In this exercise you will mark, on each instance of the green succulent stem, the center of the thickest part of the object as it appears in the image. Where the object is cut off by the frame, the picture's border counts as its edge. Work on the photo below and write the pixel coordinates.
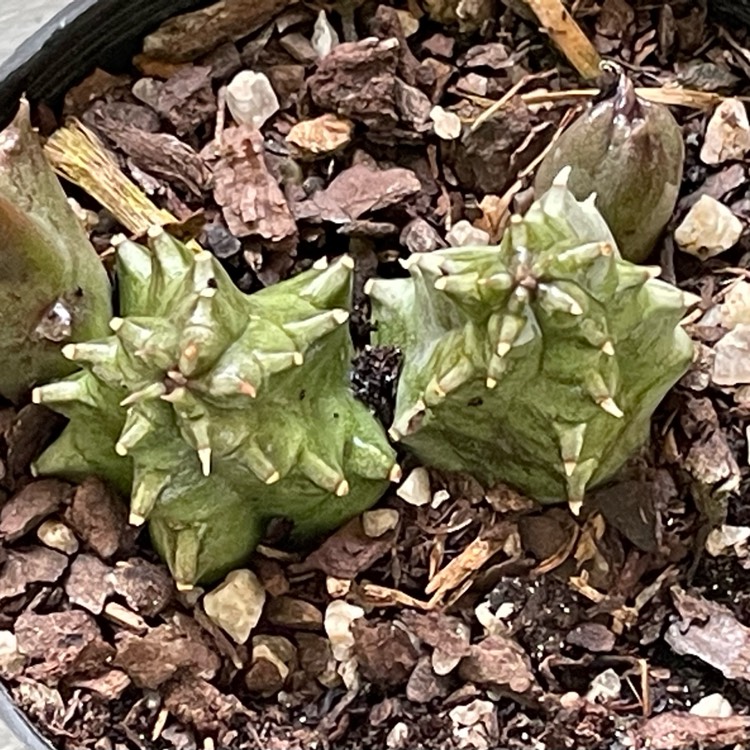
(53, 287)
(537, 363)
(216, 411)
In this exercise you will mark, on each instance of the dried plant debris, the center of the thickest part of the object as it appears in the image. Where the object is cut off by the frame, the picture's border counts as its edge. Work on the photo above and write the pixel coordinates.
(253, 203)
(452, 615)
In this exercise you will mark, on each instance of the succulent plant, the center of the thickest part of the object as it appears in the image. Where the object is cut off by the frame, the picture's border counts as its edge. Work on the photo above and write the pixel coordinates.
(218, 411)
(538, 362)
(53, 287)
(629, 151)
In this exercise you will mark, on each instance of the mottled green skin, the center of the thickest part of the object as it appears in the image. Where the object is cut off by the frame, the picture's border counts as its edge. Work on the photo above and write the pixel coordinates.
(629, 152)
(237, 408)
(47, 265)
(537, 363)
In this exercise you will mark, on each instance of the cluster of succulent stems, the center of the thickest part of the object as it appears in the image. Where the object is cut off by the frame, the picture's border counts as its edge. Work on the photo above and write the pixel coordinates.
(538, 363)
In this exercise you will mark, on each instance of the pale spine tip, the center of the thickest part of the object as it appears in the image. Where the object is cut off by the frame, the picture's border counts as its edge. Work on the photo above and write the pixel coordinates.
(395, 474)
(320, 264)
(273, 478)
(342, 488)
(136, 520)
(247, 389)
(69, 351)
(176, 396)
(609, 405)
(608, 348)
(204, 456)
(121, 450)
(116, 324)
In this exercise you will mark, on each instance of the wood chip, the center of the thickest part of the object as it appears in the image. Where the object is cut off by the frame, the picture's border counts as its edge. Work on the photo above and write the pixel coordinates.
(567, 35)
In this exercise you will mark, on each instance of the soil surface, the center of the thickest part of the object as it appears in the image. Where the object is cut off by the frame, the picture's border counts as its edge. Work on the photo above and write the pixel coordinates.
(464, 616)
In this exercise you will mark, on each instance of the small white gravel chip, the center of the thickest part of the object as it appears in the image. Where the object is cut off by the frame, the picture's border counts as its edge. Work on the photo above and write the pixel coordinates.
(57, 535)
(337, 622)
(727, 133)
(415, 489)
(447, 125)
(251, 99)
(324, 37)
(377, 522)
(465, 234)
(708, 229)
(713, 706)
(236, 605)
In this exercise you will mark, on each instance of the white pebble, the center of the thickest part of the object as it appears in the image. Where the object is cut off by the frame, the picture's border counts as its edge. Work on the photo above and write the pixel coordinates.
(251, 99)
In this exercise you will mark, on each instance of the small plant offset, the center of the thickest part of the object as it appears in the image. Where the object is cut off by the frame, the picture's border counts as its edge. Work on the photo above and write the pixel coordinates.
(629, 152)
(218, 411)
(538, 363)
(53, 287)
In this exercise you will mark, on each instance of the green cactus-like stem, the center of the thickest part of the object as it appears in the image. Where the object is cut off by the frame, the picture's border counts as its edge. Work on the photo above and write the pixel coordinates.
(219, 411)
(537, 363)
(53, 287)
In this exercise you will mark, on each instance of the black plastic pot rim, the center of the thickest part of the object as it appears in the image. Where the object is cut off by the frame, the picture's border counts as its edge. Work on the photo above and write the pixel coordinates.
(83, 35)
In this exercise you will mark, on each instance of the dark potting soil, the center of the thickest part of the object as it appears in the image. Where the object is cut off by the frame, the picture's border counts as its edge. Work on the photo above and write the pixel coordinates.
(471, 617)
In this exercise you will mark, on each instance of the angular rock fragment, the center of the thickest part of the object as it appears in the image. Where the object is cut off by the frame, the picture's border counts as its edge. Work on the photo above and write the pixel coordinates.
(99, 518)
(26, 509)
(251, 99)
(295, 614)
(237, 604)
(26, 566)
(90, 583)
